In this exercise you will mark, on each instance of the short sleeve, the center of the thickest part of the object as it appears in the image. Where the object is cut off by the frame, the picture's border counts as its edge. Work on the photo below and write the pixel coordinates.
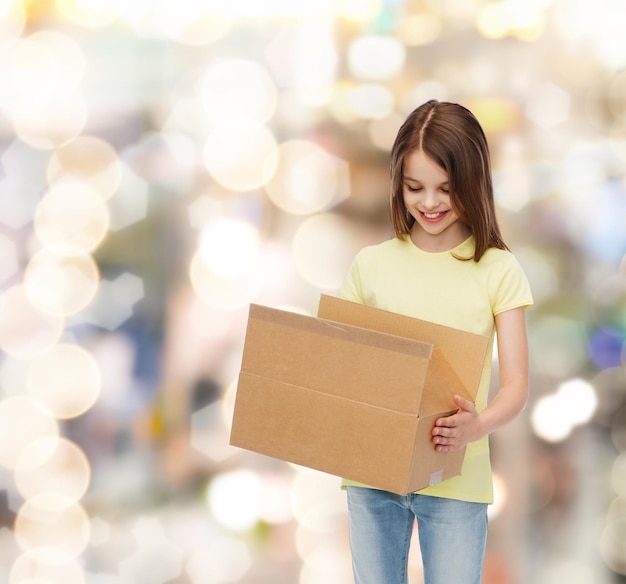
(511, 288)
(351, 288)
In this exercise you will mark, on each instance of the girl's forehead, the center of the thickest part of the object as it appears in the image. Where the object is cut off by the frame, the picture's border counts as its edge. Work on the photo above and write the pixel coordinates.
(421, 167)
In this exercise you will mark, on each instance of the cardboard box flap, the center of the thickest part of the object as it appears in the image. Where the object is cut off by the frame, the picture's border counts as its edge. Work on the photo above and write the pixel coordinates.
(466, 352)
(441, 385)
(376, 368)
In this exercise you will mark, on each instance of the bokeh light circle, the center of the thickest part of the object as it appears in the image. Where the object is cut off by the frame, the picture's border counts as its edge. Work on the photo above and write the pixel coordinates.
(192, 23)
(88, 160)
(28, 75)
(52, 465)
(53, 522)
(419, 29)
(221, 292)
(241, 252)
(361, 11)
(61, 285)
(12, 20)
(43, 566)
(555, 415)
(88, 13)
(548, 420)
(618, 474)
(22, 421)
(67, 54)
(314, 512)
(307, 178)
(241, 156)
(66, 380)
(26, 331)
(376, 57)
(323, 250)
(371, 101)
(234, 499)
(238, 89)
(71, 219)
(270, 502)
(53, 123)
(227, 559)
(612, 545)
(607, 348)
(579, 400)
(39, 78)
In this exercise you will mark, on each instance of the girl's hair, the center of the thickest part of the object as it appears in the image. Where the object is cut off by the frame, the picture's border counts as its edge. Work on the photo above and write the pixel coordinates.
(450, 135)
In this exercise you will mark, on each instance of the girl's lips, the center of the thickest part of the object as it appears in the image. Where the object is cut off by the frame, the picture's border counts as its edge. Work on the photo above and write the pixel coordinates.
(433, 217)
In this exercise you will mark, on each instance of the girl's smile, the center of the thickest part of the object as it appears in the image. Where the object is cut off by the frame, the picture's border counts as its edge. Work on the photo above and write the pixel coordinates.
(434, 217)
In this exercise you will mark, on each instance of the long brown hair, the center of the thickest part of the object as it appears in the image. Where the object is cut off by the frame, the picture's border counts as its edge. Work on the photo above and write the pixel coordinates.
(451, 135)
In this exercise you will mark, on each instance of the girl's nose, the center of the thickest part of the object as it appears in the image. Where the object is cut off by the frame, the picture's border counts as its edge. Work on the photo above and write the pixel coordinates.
(430, 200)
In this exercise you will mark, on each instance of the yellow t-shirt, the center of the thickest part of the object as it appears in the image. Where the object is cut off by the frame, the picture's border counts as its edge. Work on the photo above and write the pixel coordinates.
(398, 276)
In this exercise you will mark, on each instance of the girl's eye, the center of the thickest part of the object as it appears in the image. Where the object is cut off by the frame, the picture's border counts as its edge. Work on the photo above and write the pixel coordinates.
(413, 189)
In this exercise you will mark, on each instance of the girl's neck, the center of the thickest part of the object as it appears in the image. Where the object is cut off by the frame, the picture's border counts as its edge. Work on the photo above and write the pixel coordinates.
(445, 241)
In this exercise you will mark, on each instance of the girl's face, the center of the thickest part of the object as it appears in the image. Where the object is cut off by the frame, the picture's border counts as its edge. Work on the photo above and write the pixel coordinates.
(427, 198)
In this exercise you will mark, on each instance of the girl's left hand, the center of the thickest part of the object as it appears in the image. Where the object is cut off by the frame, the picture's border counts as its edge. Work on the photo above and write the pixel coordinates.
(454, 432)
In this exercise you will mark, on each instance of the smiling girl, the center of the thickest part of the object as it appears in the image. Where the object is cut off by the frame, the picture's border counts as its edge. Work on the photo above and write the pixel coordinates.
(446, 264)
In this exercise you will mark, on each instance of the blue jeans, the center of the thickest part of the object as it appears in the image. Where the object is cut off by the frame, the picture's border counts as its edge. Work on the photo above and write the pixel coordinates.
(452, 536)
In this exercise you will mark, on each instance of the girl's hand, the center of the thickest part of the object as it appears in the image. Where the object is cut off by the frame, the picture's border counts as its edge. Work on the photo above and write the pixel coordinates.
(453, 432)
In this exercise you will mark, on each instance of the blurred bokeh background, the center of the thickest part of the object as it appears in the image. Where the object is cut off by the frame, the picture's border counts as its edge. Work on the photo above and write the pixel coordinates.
(165, 163)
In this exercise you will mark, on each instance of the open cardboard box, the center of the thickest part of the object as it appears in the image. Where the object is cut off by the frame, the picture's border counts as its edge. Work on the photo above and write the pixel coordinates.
(354, 392)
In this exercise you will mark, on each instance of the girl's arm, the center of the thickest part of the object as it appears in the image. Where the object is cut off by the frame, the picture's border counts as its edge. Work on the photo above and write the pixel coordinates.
(467, 425)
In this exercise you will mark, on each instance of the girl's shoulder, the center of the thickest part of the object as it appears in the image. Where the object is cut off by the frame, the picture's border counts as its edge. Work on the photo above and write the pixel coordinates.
(497, 264)
(495, 255)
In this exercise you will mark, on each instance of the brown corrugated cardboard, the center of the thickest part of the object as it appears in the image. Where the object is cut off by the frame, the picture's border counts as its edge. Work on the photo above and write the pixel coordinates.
(464, 351)
(354, 392)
